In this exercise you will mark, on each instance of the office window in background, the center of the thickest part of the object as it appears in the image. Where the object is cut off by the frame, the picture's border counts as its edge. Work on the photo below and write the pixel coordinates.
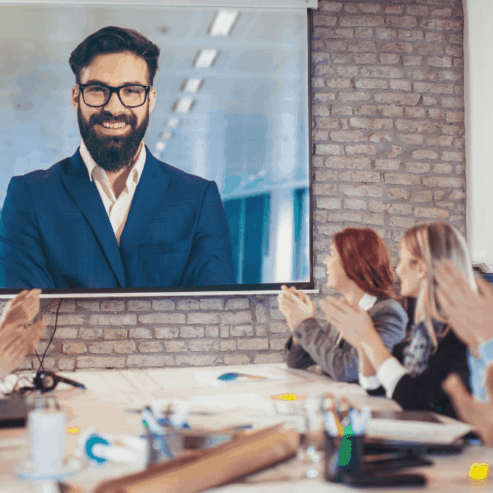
(260, 226)
(248, 219)
(301, 258)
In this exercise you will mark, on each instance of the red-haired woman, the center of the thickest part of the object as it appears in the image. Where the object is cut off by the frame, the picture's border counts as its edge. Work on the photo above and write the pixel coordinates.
(358, 267)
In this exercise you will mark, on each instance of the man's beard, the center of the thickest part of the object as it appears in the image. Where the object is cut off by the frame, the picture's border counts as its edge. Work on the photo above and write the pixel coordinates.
(117, 152)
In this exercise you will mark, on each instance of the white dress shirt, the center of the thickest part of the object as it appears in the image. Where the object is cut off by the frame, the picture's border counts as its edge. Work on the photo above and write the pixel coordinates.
(116, 208)
(367, 302)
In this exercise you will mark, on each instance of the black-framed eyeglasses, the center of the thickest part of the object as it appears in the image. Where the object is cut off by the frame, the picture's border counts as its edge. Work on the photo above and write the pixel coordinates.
(130, 95)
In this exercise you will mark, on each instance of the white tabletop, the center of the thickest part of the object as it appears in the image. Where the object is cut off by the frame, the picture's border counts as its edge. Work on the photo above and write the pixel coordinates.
(110, 397)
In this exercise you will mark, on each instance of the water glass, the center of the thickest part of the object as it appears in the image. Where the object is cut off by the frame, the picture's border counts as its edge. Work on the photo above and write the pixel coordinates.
(310, 439)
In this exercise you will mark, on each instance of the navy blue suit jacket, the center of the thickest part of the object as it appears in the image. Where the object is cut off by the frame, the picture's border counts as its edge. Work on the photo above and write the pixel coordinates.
(55, 232)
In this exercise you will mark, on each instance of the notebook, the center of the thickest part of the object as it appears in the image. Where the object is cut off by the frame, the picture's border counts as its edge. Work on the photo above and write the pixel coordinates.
(415, 427)
(13, 413)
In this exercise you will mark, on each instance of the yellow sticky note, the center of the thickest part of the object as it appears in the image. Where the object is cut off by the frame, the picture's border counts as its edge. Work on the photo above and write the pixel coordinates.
(479, 472)
(73, 430)
(288, 397)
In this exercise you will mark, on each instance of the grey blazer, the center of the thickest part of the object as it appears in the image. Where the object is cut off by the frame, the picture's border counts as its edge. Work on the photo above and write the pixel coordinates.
(317, 345)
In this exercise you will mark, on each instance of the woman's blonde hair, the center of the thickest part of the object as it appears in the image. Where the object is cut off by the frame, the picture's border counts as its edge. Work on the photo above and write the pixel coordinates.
(434, 243)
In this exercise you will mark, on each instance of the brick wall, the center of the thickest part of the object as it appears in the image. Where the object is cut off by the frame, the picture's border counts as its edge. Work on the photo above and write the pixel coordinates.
(388, 152)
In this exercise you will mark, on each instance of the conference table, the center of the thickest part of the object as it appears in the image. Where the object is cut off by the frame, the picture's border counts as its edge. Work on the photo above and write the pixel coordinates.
(112, 399)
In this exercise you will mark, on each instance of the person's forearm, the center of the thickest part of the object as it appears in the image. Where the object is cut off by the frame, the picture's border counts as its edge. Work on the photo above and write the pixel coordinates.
(480, 343)
(389, 370)
(295, 356)
(375, 351)
(365, 366)
(295, 319)
(486, 351)
(340, 362)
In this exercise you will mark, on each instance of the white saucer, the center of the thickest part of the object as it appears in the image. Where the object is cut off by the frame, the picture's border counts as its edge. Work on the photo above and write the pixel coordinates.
(70, 466)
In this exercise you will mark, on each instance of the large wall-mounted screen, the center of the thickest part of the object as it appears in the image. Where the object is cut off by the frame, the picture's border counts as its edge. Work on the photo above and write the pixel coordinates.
(217, 198)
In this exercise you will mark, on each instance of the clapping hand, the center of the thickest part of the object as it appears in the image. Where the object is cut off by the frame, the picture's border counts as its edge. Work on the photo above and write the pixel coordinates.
(470, 313)
(16, 340)
(478, 414)
(296, 306)
(353, 322)
(21, 310)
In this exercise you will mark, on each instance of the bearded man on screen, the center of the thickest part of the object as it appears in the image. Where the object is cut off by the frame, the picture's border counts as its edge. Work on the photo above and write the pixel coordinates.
(112, 215)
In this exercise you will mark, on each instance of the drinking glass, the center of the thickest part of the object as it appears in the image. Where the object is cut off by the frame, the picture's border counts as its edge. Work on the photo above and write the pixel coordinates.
(310, 438)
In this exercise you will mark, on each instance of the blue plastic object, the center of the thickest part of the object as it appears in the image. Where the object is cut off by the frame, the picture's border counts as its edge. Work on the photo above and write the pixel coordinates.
(94, 440)
(488, 277)
(229, 376)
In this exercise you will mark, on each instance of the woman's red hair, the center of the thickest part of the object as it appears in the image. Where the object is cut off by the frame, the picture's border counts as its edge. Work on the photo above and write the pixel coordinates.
(366, 261)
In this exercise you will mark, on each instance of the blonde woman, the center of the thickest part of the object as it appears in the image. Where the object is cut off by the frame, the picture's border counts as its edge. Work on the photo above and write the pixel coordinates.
(413, 374)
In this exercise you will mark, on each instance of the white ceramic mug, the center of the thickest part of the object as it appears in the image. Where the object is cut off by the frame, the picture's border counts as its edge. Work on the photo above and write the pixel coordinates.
(47, 440)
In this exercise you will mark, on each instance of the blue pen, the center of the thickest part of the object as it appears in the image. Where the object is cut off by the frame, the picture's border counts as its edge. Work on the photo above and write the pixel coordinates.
(234, 376)
(157, 432)
(152, 423)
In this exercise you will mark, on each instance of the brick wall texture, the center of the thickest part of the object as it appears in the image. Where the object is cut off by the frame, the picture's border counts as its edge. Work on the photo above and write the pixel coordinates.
(388, 152)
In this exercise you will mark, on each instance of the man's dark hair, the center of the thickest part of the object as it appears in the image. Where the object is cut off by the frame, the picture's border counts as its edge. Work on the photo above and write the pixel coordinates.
(114, 40)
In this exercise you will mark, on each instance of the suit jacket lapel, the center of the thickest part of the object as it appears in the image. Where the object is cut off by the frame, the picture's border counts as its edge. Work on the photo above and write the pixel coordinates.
(86, 196)
(148, 195)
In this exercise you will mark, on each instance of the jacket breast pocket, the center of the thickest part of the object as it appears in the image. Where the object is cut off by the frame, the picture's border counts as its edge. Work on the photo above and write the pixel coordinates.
(163, 248)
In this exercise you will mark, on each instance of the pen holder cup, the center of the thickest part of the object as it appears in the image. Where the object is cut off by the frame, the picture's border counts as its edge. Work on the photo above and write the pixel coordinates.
(343, 456)
(165, 446)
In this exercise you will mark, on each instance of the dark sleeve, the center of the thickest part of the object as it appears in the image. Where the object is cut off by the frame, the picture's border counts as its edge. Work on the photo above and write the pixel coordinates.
(339, 361)
(22, 260)
(211, 260)
(399, 349)
(295, 356)
(424, 391)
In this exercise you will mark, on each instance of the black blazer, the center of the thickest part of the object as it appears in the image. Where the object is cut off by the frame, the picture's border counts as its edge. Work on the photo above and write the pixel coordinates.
(424, 392)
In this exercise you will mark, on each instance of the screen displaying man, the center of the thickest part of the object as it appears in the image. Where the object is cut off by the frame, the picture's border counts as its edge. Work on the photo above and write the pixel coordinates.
(112, 215)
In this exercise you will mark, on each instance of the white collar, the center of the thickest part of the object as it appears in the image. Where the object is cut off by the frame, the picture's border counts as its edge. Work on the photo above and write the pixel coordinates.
(91, 165)
(367, 301)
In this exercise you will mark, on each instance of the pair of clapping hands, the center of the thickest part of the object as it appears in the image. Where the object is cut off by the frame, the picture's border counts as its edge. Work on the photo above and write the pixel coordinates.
(471, 317)
(352, 321)
(16, 339)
